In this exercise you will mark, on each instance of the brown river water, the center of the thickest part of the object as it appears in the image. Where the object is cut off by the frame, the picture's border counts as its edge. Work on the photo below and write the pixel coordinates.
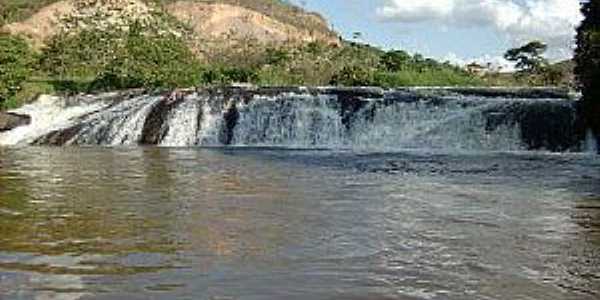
(267, 223)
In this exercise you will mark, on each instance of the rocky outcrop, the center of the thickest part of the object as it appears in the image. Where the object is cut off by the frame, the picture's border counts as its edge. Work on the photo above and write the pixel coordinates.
(9, 121)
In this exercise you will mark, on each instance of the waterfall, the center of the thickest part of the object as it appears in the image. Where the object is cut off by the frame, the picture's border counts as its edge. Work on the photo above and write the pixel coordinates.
(291, 121)
(591, 143)
(119, 124)
(361, 119)
(212, 123)
(182, 125)
(455, 125)
(49, 114)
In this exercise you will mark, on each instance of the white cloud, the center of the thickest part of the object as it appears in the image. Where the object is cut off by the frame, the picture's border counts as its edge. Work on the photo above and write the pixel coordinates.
(497, 63)
(552, 21)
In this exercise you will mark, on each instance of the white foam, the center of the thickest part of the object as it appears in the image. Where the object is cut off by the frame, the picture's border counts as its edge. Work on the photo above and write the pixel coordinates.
(183, 125)
(591, 144)
(48, 113)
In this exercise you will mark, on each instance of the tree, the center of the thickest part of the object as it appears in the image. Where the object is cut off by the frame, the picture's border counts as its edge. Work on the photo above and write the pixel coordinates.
(553, 74)
(16, 60)
(151, 61)
(81, 55)
(587, 60)
(529, 57)
(353, 75)
(395, 60)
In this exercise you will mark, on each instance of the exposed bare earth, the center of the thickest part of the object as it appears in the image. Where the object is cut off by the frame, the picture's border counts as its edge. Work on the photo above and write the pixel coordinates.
(210, 22)
(235, 23)
(44, 24)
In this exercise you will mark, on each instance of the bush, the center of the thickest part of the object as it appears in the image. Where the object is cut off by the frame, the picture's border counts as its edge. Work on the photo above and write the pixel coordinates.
(353, 75)
(16, 62)
(228, 75)
(425, 77)
(150, 61)
(395, 60)
(81, 55)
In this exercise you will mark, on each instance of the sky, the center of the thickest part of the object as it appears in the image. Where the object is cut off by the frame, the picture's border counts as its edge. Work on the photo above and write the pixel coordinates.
(461, 31)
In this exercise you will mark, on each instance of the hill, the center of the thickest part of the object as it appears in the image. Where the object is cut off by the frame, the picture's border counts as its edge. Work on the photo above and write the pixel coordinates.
(212, 22)
(75, 46)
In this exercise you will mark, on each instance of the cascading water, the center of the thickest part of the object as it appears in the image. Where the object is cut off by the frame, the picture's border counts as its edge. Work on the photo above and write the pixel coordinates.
(455, 124)
(49, 114)
(370, 119)
(591, 144)
(180, 121)
(291, 121)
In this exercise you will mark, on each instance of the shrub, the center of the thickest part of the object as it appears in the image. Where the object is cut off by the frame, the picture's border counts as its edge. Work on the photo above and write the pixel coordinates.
(353, 75)
(81, 55)
(151, 61)
(228, 75)
(16, 61)
(395, 60)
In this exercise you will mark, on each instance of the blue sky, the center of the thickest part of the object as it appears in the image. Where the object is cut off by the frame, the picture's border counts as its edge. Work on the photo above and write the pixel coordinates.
(458, 30)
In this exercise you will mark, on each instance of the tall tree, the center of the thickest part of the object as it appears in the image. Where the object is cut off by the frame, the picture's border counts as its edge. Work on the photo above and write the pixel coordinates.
(529, 57)
(587, 59)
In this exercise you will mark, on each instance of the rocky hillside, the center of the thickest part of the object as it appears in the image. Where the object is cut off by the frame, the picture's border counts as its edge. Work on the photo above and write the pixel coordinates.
(211, 22)
(227, 22)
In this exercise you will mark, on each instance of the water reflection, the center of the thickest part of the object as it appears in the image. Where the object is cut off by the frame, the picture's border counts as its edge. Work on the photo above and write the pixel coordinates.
(169, 223)
(585, 252)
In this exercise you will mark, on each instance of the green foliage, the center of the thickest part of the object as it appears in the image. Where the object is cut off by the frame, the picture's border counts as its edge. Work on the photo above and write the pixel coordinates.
(395, 60)
(552, 75)
(84, 54)
(16, 62)
(587, 59)
(354, 75)
(587, 53)
(151, 61)
(528, 57)
(352, 65)
(426, 77)
(29, 90)
(229, 75)
(155, 55)
(534, 69)
(276, 56)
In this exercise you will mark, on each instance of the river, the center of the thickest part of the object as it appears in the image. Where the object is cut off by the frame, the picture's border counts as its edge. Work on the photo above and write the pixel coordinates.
(269, 223)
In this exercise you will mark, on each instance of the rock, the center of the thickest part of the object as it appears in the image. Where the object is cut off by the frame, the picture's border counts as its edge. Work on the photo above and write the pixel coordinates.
(9, 121)
(156, 126)
(58, 137)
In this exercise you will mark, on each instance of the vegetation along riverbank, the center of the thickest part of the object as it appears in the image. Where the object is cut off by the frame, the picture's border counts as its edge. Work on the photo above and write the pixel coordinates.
(74, 46)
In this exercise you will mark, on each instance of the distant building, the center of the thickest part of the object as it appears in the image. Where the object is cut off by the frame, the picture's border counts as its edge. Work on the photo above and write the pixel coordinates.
(476, 69)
